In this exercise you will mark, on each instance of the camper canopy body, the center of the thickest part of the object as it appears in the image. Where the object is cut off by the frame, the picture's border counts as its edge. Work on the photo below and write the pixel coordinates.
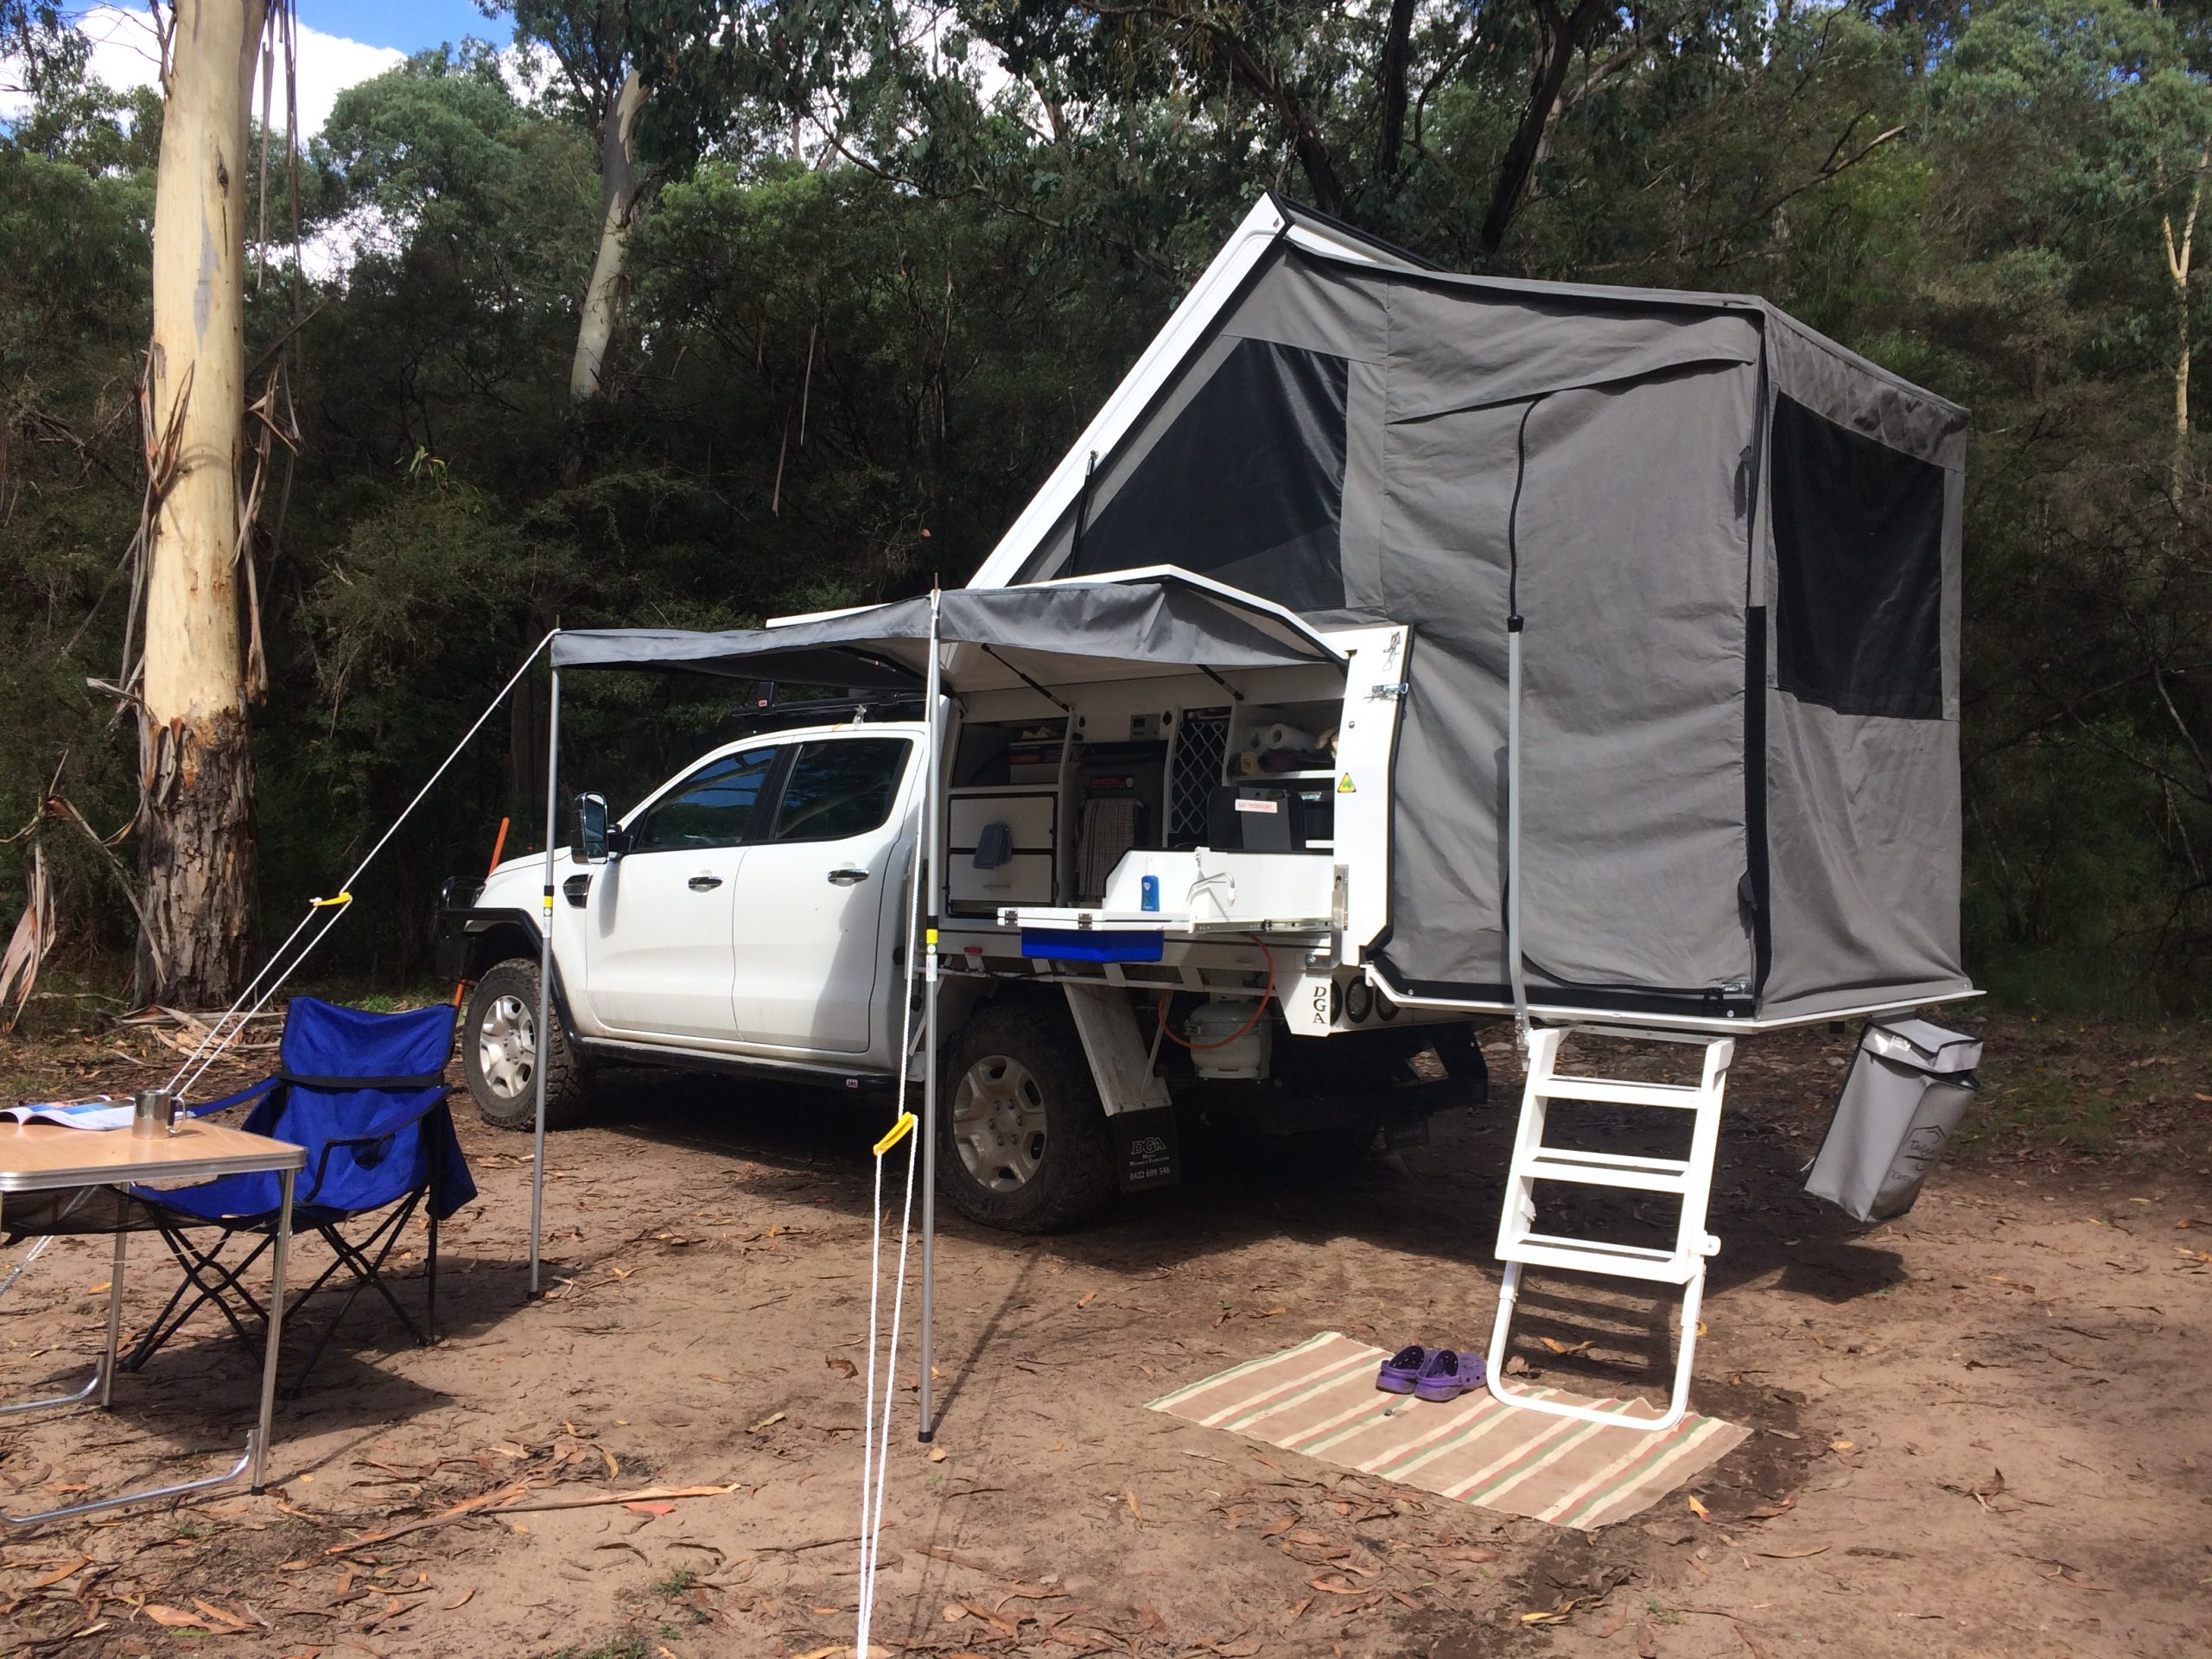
(1734, 546)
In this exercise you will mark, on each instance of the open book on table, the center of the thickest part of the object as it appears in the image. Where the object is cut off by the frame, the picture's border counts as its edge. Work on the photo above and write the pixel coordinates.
(101, 1112)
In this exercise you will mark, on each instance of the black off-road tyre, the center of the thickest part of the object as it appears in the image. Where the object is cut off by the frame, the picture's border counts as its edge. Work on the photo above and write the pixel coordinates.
(1018, 1105)
(498, 1051)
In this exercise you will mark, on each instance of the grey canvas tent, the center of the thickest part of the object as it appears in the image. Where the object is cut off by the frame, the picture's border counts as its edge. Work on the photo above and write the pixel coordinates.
(1731, 547)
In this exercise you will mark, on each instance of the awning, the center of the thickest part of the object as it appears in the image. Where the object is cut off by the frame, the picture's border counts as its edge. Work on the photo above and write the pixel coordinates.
(995, 638)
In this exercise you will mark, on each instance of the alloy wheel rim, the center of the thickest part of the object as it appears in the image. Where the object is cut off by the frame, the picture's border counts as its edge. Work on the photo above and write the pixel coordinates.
(506, 1046)
(998, 1123)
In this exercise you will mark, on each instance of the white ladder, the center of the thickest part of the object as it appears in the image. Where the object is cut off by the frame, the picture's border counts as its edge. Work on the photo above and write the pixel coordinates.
(1689, 1179)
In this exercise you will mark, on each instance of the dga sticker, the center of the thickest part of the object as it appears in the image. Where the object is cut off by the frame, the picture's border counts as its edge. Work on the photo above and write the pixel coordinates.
(1345, 786)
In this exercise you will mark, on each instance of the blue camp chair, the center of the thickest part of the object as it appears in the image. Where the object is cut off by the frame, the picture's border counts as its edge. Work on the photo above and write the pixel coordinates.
(364, 1094)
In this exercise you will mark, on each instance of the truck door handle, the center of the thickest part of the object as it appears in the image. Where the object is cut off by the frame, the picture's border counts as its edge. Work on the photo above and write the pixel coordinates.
(705, 883)
(846, 878)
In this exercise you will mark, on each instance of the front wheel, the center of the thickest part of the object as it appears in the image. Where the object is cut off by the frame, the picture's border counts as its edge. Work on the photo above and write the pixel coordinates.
(498, 1048)
(1024, 1144)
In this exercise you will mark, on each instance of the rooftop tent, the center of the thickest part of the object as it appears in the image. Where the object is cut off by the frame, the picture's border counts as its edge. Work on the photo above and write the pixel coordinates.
(1735, 547)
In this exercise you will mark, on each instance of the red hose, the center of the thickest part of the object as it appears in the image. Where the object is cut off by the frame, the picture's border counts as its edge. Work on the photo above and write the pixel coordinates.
(1266, 997)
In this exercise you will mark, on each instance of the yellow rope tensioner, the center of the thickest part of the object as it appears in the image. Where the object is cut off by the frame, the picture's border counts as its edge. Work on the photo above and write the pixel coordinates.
(897, 1133)
(324, 903)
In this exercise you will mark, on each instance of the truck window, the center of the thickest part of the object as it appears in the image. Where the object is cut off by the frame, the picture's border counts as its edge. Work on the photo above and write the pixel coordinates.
(842, 788)
(711, 808)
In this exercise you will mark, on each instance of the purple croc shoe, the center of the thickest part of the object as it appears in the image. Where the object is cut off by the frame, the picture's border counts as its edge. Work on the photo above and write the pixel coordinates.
(1401, 1373)
(1449, 1374)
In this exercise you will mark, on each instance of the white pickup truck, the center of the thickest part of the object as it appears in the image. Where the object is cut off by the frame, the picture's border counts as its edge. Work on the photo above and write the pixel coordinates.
(747, 917)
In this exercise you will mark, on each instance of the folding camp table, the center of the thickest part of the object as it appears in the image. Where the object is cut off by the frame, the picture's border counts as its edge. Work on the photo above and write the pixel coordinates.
(45, 1157)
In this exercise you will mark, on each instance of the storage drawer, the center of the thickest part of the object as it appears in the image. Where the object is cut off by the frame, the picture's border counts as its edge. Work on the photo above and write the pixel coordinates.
(1029, 815)
(1024, 879)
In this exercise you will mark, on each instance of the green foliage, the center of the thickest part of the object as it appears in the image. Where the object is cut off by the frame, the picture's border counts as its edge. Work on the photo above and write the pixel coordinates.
(889, 272)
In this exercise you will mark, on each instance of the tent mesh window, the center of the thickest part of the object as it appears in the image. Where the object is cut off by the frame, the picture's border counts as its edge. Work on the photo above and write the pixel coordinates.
(1859, 567)
(1246, 485)
(1201, 754)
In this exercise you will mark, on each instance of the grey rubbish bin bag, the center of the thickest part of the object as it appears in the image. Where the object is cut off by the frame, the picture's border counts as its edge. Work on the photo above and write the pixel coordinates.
(1905, 1092)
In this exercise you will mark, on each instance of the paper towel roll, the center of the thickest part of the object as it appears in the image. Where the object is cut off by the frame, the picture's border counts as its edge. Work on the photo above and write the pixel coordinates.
(1266, 738)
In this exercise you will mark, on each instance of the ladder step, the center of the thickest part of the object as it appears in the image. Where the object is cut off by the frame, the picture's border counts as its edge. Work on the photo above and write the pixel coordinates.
(1607, 1169)
(1588, 1255)
(1612, 1092)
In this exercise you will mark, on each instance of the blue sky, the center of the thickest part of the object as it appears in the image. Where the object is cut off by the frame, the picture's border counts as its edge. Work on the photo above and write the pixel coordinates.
(408, 25)
(341, 42)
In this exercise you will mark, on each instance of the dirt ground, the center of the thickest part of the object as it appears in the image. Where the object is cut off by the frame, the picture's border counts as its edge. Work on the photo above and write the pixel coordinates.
(1979, 1430)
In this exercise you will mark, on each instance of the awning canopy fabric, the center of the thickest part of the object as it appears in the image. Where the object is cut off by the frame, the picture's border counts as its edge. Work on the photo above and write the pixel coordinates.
(1066, 632)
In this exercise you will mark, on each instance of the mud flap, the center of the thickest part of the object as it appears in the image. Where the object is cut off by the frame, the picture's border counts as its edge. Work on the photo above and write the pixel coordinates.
(1148, 1153)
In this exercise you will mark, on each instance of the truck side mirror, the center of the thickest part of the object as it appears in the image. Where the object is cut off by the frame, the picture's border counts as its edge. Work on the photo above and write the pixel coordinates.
(589, 843)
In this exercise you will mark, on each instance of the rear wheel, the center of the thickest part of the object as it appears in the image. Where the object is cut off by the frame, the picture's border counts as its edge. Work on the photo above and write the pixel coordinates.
(499, 1051)
(1024, 1144)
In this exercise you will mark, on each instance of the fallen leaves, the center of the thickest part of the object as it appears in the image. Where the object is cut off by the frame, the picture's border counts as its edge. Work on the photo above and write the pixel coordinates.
(1698, 1508)
(1558, 1347)
(1552, 1615)
(999, 1622)
(206, 1617)
(769, 1421)
(61, 1573)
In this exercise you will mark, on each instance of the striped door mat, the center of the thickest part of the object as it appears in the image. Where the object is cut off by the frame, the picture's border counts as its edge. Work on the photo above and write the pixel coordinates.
(1319, 1398)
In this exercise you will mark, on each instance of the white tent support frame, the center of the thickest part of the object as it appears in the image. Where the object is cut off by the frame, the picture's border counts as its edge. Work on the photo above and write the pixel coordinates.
(933, 874)
(544, 1030)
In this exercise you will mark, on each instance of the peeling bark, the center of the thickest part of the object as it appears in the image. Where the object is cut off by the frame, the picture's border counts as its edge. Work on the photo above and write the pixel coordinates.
(196, 863)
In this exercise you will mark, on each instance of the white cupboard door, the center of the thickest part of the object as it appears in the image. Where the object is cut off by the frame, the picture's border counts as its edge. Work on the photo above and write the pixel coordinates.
(660, 946)
(812, 902)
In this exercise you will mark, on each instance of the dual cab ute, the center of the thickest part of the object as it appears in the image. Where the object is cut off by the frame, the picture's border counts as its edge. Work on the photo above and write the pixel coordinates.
(749, 916)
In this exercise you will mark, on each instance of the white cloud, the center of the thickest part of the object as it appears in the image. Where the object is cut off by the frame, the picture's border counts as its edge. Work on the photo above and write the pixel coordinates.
(126, 54)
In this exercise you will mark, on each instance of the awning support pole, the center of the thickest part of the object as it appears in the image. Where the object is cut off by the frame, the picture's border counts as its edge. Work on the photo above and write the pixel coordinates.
(537, 1064)
(1514, 968)
(932, 873)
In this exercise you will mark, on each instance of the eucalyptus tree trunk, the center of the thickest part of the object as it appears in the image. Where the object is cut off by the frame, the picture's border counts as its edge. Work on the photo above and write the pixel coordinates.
(2181, 266)
(617, 179)
(196, 835)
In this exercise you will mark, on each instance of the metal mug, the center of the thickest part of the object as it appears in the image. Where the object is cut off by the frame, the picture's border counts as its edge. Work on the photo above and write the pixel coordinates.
(155, 1113)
